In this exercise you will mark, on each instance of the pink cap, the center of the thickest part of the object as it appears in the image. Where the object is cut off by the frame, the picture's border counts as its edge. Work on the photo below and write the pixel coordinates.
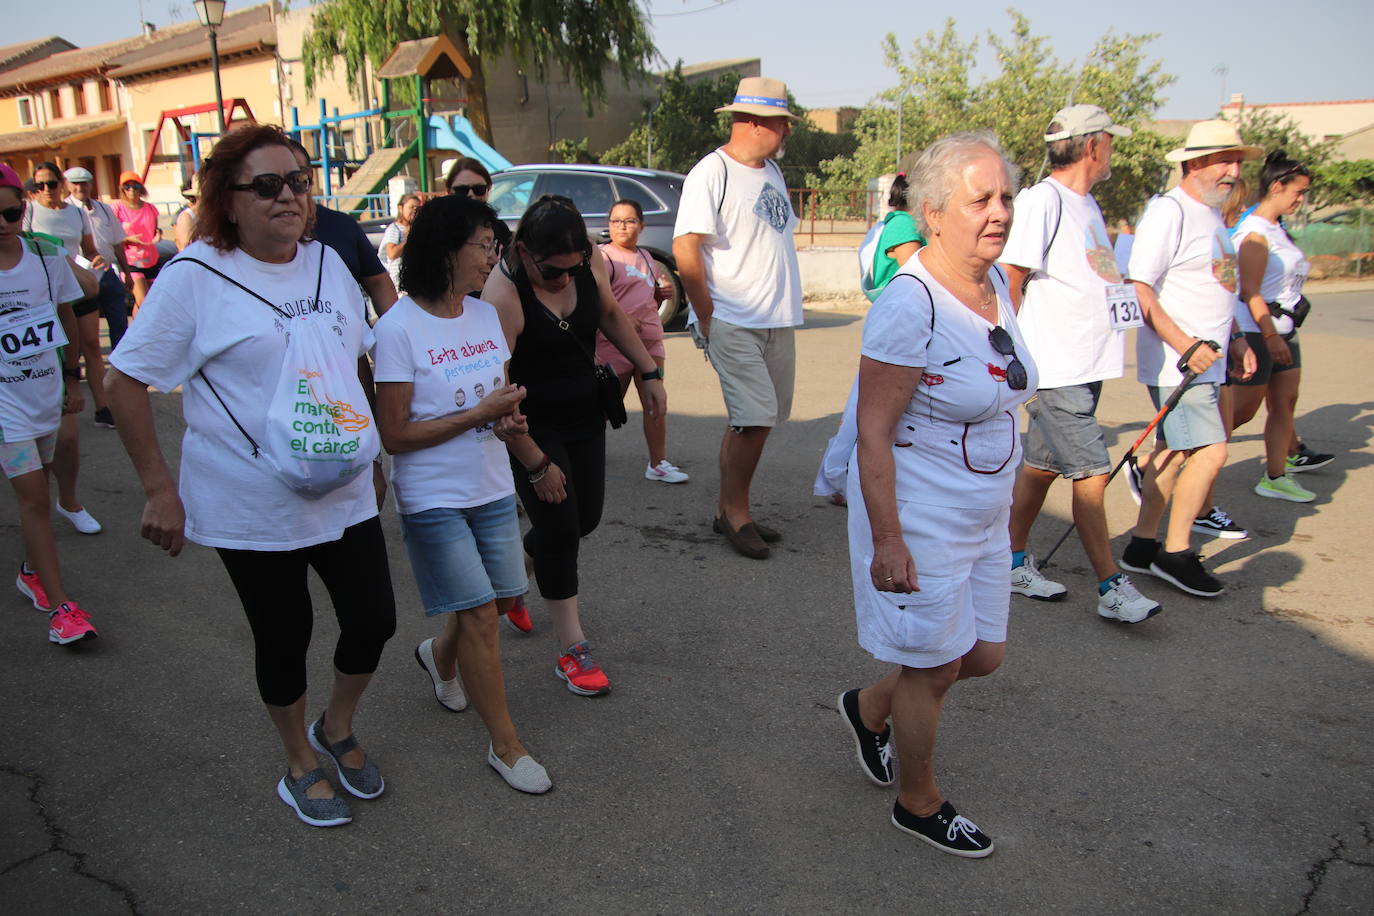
(10, 179)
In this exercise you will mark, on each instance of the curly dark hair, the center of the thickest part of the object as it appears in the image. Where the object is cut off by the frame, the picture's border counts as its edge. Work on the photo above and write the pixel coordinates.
(551, 226)
(442, 226)
(219, 171)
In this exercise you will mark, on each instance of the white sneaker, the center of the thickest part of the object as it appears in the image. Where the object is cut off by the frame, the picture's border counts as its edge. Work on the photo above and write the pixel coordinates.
(525, 776)
(449, 693)
(1122, 602)
(1027, 580)
(82, 520)
(665, 472)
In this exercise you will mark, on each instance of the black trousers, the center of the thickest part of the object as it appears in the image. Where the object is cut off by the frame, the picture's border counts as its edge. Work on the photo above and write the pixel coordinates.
(272, 586)
(556, 528)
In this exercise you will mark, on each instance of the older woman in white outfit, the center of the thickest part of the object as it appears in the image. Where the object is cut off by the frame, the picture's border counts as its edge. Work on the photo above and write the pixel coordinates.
(943, 372)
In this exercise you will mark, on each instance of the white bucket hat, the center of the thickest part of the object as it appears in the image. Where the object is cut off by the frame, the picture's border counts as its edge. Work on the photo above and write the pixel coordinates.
(761, 97)
(1207, 137)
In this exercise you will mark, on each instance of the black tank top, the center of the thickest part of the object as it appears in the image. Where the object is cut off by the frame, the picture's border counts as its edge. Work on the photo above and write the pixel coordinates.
(558, 374)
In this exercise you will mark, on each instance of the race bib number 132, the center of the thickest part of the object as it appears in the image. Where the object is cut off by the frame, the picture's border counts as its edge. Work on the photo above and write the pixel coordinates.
(1123, 308)
(30, 332)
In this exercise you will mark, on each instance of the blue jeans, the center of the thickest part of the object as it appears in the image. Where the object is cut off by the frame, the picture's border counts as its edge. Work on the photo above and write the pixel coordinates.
(463, 558)
(114, 305)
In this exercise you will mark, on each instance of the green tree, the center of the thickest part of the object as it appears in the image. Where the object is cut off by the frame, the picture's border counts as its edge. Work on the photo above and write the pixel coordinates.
(574, 36)
(1270, 131)
(937, 94)
(1344, 182)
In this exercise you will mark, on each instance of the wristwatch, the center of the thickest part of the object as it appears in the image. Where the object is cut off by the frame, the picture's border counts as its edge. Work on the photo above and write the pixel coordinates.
(648, 376)
(1237, 335)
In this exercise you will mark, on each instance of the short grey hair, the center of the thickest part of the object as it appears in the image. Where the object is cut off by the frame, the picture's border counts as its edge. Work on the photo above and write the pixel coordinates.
(934, 176)
(1064, 153)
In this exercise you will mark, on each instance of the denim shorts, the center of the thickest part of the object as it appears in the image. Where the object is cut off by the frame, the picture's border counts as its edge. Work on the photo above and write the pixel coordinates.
(1063, 435)
(1194, 422)
(463, 558)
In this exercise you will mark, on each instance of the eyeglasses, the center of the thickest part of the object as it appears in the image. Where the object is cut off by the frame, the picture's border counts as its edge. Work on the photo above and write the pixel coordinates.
(131, 186)
(489, 247)
(1002, 343)
(51, 185)
(553, 273)
(624, 222)
(463, 190)
(268, 185)
(12, 214)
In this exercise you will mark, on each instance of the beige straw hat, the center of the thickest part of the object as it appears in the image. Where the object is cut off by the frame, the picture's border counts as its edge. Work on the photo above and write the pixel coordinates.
(1207, 137)
(762, 97)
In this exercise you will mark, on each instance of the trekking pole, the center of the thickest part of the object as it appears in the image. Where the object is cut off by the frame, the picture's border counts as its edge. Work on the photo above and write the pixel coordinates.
(1189, 376)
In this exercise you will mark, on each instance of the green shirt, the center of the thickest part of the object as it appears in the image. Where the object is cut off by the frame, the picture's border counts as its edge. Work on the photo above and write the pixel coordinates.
(898, 229)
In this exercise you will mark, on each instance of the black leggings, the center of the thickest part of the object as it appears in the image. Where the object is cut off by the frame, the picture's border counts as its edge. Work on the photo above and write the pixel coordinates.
(555, 528)
(272, 586)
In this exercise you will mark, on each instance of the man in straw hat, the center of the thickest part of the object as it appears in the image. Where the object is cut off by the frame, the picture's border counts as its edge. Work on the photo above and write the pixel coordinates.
(738, 261)
(1074, 312)
(1184, 269)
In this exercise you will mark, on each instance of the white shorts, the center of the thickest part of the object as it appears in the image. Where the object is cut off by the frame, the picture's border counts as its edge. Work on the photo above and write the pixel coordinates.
(962, 560)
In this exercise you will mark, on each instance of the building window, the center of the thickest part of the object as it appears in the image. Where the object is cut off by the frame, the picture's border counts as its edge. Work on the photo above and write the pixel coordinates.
(114, 165)
(55, 103)
(78, 98)
(106, 100)
(25, 112)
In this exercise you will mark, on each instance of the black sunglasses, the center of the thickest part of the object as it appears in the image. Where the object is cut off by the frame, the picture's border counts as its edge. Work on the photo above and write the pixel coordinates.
(463, 190)
(12, 214)
(1002, 343)
(51, 184)
(553, 273)
(131, 186)
(268, 185)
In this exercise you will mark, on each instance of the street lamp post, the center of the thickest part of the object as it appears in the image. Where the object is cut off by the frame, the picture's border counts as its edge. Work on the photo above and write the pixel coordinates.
(211, 14)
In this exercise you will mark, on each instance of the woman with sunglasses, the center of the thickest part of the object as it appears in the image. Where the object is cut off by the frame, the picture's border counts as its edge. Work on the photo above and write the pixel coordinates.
(216, 324)
(467, 177)
(139, 219)
(394, 237)
(444, 409)
(553, 294)
(40, 388)
(942, 373)
(51, 215)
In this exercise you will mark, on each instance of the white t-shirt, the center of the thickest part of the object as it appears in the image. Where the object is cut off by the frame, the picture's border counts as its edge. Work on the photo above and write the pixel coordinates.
(453, 363)
(957, 440)
(194, 320)
(394, 234)
(31, 386)
(105, 228)
(1183, 250)
(1064, 315)
(69, 224)
(749, 251)
(1285, 271)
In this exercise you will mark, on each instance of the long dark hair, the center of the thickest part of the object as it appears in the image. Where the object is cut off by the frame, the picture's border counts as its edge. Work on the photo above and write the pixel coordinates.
(896, 195)
(1279, 167)
(551, 226)
(442, 226)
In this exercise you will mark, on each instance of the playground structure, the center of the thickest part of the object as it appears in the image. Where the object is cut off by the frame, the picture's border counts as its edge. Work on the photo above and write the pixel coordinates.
(356, 184)
(188, 140)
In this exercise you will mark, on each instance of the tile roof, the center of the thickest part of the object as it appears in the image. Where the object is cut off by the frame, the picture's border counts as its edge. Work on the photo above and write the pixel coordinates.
(54, 137)
(25, 51)
(246, 30)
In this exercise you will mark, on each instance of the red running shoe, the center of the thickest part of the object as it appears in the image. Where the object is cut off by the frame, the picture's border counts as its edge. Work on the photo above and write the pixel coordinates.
(519, 617)
(580, 671)
(68, 624)
(31, 588)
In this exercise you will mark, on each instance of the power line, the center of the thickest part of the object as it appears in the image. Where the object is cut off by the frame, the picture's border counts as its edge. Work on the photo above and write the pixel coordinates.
(705, 9)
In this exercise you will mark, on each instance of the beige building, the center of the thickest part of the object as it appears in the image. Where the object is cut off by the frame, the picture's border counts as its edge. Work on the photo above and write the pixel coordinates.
(1319, 120)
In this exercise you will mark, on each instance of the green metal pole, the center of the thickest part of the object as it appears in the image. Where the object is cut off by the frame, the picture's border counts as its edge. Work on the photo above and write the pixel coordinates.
(420, 132)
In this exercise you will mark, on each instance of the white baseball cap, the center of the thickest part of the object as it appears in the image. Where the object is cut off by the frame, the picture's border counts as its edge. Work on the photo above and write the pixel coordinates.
(1080, 120)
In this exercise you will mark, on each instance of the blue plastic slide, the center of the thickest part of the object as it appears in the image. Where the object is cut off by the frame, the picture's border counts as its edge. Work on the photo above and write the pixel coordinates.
(462, 138)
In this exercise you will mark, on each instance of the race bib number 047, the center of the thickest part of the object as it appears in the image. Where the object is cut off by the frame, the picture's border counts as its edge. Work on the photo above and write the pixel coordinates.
(1123, 308)
(29, 332)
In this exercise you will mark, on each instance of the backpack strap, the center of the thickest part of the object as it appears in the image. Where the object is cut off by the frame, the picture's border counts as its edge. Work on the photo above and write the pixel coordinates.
(724, 179)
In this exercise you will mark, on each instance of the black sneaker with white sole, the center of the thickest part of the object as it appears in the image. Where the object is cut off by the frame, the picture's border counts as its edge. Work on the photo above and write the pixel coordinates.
(1139, 554)
(1184, 570)
(946, 830)
(873, 749)
(1308, 460)
(1219, 525)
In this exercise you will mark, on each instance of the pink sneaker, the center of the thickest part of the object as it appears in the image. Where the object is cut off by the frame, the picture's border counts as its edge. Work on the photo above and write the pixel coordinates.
(31, 588)
(68, 624)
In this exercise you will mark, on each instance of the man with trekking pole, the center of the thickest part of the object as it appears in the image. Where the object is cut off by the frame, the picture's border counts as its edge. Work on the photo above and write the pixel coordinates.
(1074, 311)
(1183, 266)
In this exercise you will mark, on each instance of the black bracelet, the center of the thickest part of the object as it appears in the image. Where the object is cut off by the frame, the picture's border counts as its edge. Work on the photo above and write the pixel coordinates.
(72, 372)
(650, 376)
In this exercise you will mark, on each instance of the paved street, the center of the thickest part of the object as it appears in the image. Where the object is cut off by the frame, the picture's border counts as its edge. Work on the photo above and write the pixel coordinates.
(1217, 758)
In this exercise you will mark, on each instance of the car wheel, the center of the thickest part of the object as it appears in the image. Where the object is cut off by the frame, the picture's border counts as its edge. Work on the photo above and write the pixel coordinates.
(673, 311)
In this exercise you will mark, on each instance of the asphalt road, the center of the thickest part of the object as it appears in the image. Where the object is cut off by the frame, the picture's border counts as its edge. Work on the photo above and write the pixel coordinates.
(1217, 758)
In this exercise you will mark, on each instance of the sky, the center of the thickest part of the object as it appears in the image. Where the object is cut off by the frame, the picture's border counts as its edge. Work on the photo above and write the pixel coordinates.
(829, 53)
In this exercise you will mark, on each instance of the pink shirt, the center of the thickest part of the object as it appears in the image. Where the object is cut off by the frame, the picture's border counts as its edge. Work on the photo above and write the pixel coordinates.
(633, 277)
(141, 223)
